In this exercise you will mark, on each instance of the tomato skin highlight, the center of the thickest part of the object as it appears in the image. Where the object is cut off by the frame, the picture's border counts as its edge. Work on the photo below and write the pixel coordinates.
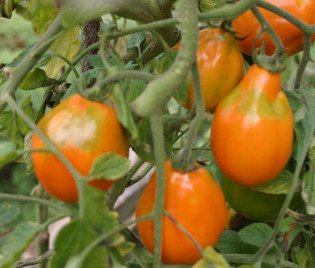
(82, 130)
(252, 129)
(291, 36)
(220, 64)
(196, 201)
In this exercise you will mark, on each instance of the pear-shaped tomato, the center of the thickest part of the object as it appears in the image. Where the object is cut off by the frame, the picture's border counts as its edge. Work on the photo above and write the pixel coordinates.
(82, 130)
(252, 130)
(195, 200)
(248, 26)
(220, 64)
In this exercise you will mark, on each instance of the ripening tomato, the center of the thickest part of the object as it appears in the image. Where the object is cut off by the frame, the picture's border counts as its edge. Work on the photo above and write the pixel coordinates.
(195, 200)
(252, 129)
(82, 130)
(220, 64)
(255, 204)
(248, 26)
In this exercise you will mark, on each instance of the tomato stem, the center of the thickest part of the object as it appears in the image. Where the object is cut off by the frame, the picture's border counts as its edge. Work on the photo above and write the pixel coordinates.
(184, 231)
(305, 59)
(185, 154)
(35, 200)
(159, 154)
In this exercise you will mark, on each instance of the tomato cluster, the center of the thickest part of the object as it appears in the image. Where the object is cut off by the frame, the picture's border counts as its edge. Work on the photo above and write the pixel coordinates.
(251, 140)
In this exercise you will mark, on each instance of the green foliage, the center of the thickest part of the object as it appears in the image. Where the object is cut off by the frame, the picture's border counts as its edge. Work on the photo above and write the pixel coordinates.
(97, 237)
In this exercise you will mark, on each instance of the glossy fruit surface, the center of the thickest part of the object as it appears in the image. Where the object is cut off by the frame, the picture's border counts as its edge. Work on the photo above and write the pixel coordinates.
(195, 200)
(221, 66)
(82, 130)
(254, 204)
(248, 26)
(252, 129)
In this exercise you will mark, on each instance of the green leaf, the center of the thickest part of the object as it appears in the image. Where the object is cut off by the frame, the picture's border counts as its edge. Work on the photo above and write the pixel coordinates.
(230, 243)
(124, 113)
(95, 61)
(67, 45)
(41, 13)
(255, 234)
(29, 111)
(76, 236)
(280, 185)
(211, 258)
(303, 257)
(7, 152)
(136, 41)
(37, 78)
(143, 257)
(308, 191)
(285, 224)
(8, 213)
(15, 243)
(110, 166)
(28, 156)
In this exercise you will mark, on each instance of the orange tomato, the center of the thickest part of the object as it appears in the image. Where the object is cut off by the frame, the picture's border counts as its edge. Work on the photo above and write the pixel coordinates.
(220, 64)
(195, 200)
(248, 26)
(252, 129)
(82, 130)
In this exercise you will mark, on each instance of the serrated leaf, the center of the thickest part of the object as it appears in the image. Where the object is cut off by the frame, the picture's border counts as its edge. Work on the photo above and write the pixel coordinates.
(255, 234)
(213, 258)
(28, 110)
(7, 152)
(8, 213)
(303, 257)
(136, 41)
(95, 61)
(230, 243)
(15, 243)
(76, 236)
(280, 185)
(124, 112)
(41, 13)
(37, 78)
(308, 191)
(110, 166)
(67, 45)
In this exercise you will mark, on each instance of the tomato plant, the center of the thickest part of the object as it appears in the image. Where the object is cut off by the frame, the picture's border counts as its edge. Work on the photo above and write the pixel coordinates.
(82, 130)
(252, 129)
(255, 204)
(195, 200)
(220, 64)
(248, 27)
(117, 53)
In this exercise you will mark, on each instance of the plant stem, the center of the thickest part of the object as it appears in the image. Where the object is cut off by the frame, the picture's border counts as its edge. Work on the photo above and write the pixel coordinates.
(162, 88)
(35, 200)
(184, 155)
(140, 176)
(275, 38)
(80, 259)
(305, 59)
(31, 261)
(185, 232)
(42, 217)
(159, 155)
